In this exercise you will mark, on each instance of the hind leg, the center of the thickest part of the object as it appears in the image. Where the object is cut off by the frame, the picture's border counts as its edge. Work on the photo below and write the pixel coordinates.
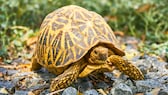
(35, 65)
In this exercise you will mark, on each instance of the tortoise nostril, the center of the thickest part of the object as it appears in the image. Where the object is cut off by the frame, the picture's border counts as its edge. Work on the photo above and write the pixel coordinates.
(103, 56)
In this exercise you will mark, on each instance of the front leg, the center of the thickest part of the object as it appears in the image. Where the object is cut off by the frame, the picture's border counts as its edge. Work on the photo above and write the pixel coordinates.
(126, 67)
(66, 78)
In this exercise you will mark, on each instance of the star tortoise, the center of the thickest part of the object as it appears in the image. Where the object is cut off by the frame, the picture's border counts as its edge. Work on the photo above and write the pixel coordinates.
(74, 42)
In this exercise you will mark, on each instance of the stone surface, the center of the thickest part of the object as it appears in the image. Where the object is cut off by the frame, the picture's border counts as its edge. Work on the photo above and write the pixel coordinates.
(70, 91)
(121, 89)
(91, 92)
(11, 72)
(8, 85)
(163, 92)
(21, 92)
(83, 84)
(147, 85)
(102, 85)
(45, 92)
(17, 82)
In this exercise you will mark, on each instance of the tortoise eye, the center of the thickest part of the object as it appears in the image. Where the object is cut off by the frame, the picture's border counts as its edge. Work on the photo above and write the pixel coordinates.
(95, 52)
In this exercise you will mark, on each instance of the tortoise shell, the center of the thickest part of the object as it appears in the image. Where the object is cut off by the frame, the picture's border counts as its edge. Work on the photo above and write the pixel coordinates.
(68, 33)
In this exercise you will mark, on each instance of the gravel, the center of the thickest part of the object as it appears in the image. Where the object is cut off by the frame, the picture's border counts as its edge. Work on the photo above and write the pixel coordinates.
(121, 89)
(70, 91)
(91, 92)
(17, 82)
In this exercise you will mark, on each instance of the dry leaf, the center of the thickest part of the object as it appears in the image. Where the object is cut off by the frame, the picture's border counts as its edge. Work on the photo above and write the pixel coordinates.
(119, 33)
(4, 91)
(31, 40)
(143, 37)
(110, 18)
(166, 33)
(117, 73)
(31, 93)
(1, 74)
(155, 91)
(139, 94)
(101, 91)
(79, 93)
(55, 92)
(144, 8)
(1, 60)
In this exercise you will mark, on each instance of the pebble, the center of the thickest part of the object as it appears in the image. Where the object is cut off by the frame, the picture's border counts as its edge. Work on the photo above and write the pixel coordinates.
(163, 92)
(70, 91)
(102, 85)
(146, 85)
(45, 92)
(148, 93)
(91, 92)
(3, 70)
(154, 70)
(163, 79)
(7, 85)
(20, 92)
(83, 84)
(11, 72)
(121, 89)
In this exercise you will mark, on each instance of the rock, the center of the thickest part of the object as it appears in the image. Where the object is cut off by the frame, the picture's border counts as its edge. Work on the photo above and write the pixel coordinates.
(143, 69)
(146, 85)
(166, 66)
(91, 92)
(34, 82)
(7, 85)
(70, 91)
(163, 79)
(152, 67)
(83, 84)
(148, 93)
(163, 92)
(109, 75)
(24, 75)
(45, 92)
(102, 85)
(152, 92)
(121, 89)
(21, 92)
(3, 70)
(11, 72)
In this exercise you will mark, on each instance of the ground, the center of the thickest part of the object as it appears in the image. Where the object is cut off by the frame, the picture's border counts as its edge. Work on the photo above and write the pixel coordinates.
(21, 81)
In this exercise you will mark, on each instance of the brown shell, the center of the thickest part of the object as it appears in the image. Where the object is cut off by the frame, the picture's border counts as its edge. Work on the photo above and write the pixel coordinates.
(68, 33)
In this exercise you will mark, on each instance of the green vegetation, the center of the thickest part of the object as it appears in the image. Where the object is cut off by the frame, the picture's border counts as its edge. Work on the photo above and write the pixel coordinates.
(137, 18)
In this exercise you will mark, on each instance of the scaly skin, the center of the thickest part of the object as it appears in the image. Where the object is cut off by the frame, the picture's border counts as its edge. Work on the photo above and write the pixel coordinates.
(126, 67)
(67, 77)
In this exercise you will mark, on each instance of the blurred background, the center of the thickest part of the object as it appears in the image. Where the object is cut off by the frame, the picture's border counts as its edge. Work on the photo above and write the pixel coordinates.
(146, 20)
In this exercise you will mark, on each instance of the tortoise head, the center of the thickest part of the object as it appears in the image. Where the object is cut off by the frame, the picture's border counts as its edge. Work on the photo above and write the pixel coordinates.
(98, 55)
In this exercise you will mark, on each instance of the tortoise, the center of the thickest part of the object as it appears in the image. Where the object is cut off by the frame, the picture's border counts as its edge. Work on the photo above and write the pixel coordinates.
(74, 42)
